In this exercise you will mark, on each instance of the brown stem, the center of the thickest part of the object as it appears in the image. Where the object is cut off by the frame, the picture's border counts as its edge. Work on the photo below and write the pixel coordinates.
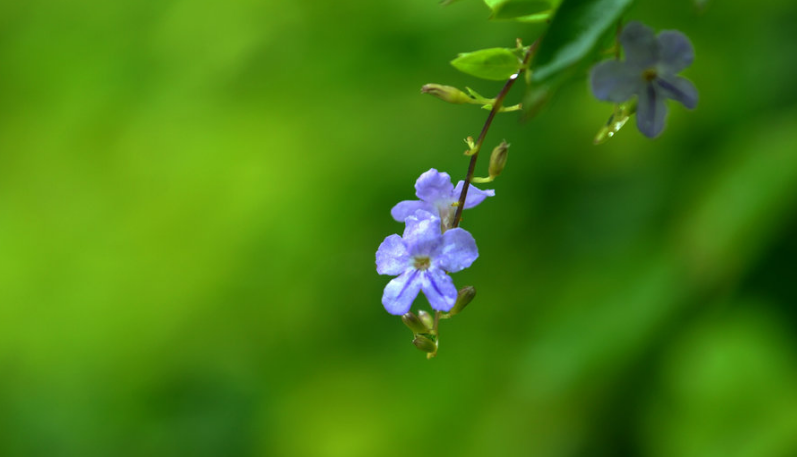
(499, 100)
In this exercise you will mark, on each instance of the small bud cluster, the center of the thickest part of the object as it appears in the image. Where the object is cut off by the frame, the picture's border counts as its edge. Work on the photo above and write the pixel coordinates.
(423, 326)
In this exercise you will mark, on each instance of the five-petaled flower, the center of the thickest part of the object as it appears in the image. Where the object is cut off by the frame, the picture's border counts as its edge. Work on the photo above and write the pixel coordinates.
(649, 71)
(438, 196)
(421, 258)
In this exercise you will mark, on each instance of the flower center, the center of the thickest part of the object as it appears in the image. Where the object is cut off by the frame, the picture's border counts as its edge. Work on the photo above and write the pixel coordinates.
(649, 75)
(422, 262)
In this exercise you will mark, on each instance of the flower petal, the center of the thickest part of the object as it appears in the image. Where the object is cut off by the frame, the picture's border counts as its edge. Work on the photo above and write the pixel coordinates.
(439, 289)
(679, 89)
(407, 208)
(640, 45)
(401, 292)
(677, 52)
(459, 251)
(392, 257)
(433, 185)
(422, 233)
(651, 111)
(475, 195)
(614, 81)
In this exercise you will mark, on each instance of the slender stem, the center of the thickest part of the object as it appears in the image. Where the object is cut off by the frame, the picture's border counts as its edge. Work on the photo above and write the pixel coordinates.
(499, 100)
(436, 333)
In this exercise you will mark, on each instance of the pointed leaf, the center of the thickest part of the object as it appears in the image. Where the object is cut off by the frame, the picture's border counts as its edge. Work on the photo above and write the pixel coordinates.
(574, 32)
(496, 64)
(522, 10)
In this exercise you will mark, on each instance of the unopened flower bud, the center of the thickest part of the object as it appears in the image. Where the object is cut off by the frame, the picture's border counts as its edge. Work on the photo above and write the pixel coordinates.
(425, 344)
(446, 93)
(498, 159)
(464, 297)
(426, 318)
(616, 121)
(414, 323)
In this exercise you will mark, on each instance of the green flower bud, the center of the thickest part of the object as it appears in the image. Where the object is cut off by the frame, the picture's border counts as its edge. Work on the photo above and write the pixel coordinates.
(446, 93)
(414, 323)
(498, 159)
(425, 344)
(464, 297)
(426, 318)
(616, 121)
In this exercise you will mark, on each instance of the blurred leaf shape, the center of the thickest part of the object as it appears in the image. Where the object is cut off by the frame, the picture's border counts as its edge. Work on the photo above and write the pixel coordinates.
(746, 197)
(574, 32)
(729, 389)
(522, 10)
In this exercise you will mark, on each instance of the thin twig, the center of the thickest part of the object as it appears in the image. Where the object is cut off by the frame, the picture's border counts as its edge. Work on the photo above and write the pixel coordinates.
(499, 100)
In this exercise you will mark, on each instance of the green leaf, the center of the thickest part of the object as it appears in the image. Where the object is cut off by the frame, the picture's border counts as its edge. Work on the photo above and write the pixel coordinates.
(574, 32)
(496, 64)
(522, 10)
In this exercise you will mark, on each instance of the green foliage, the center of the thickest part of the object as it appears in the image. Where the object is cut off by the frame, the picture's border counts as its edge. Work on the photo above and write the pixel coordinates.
(574, 32)
(188, 223)
(496, 64)
(522, 10)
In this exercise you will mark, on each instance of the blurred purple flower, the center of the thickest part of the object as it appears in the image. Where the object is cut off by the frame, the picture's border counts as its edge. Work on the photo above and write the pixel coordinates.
(421, 259)
(439, 197)
(649, 72)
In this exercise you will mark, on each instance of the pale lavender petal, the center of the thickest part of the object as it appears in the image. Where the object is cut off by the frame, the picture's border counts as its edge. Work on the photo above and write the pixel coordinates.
(640, 45)
(679, 89)
(407, 208)
(614, 81)
(392, 257)
(475, 195)
(422, 233)
(401, 292)
(651, 111)
(433, 185)
(439, 289)
(459, 251)
(677, 52)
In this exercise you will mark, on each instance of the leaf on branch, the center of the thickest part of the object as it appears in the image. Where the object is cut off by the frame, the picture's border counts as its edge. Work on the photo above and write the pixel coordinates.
(522, 10)
(495, 64)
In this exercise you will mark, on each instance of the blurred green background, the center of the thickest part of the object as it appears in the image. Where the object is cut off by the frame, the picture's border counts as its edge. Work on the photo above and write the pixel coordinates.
(192, 193)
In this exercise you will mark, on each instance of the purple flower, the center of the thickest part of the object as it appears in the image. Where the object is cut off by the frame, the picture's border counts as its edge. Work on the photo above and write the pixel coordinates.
(438, 196)
(649, 72)
(421, 259)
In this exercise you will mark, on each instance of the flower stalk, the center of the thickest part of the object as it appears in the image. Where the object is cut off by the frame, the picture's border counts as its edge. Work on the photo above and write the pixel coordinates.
(474, 151)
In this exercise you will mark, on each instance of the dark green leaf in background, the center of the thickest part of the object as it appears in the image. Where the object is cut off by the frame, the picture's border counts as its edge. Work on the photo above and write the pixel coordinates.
(496, 64)
(574, 32)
